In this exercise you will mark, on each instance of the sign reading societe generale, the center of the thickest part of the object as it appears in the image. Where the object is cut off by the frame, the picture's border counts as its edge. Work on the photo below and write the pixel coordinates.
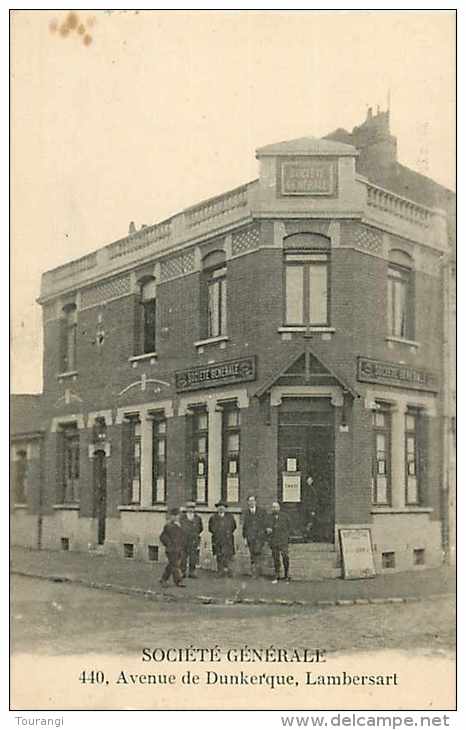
(222, 373)
(392, 373)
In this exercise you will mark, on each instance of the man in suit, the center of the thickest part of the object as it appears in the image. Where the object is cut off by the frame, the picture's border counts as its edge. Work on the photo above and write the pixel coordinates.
(173, 538)
(254, 534)
(192, 525)
(278, 532)
(222, 526)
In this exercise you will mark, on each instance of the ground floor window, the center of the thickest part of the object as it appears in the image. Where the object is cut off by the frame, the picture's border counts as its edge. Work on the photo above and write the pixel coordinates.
(134, 460)
(231, 454)
(20, 473)
(200, 455)
(159, 460)
(381, 462)
(70, 471)
(412, 456)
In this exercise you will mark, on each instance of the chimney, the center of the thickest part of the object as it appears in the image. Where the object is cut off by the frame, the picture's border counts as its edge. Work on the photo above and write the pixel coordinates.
(132, 228)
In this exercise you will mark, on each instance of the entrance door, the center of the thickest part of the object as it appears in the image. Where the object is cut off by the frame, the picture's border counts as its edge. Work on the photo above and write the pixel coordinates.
(100, 494)
(306, 468)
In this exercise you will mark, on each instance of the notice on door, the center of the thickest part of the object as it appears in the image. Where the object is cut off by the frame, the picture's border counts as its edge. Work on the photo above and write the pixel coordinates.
(356, 552)
(291, 489)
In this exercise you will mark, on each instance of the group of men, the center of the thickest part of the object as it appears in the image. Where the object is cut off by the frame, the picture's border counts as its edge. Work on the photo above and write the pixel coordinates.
(182, 534)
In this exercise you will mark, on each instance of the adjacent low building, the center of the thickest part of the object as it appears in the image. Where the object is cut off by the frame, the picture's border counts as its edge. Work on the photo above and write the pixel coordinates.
(288, 339)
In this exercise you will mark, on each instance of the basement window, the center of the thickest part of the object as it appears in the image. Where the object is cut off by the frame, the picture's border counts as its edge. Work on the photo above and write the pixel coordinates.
(65, 543)
(153, 552)
(388, 560)
(419, 556)
(128, 550)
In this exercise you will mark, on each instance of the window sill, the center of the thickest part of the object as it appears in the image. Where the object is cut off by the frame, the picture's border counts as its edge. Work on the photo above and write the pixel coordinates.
(21, 506)
(303, 328)
(400, 510)
(211, 341)
(145, 356)
(68, 374)
(67, 505)
(139, 508)
(402, 341)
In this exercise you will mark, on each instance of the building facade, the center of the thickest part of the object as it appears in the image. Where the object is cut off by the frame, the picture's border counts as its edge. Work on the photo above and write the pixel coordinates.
(285, 339)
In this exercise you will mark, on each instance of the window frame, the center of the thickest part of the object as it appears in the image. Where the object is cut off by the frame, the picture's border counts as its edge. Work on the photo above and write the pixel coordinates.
(71, 455)
(159, 466)
(199, 457)
(69, 339)
(414, 434)
(386, 431)
(216, 276)
(147, 313)
(230, 456)
(20, 451)
(134, 465)
(404, 275)
(306, 260)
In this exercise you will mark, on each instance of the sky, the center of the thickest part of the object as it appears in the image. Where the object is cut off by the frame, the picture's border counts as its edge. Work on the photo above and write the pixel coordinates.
(135, 115)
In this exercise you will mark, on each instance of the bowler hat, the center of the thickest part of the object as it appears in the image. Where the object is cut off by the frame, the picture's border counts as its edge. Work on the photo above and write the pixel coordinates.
(221, 504)
(174, 511)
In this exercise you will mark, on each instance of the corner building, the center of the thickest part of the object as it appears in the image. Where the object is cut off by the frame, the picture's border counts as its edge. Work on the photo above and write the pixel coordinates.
(292, 327)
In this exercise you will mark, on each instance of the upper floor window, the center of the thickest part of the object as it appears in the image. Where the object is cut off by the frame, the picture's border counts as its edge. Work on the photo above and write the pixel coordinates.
(147, 318)
(306, 288)
(307, 279)
(381, 462)
(400, 296)
(69, 324)
(214, 295)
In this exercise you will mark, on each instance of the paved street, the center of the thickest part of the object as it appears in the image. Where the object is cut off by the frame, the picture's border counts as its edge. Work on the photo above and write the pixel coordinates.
(60, 618)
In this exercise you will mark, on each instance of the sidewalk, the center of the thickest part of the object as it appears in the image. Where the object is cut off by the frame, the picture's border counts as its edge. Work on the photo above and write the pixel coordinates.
(132, 577)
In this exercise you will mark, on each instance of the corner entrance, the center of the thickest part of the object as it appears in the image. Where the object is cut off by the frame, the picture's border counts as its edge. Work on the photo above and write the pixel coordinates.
(100, 494)
(306, 461)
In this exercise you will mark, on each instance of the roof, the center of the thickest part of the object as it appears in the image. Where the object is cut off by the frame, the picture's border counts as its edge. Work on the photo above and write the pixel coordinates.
(308, 146)
(25, 414)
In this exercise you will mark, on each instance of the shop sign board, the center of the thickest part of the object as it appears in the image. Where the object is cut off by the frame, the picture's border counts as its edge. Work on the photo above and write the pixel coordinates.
(218, 374)
(392, 373)
(308, 177)
(356, 553)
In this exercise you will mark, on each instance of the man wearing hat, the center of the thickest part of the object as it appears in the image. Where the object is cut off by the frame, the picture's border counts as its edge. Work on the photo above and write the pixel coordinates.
(173, 538)
(192, 525)
(222, 526)
(254, 534)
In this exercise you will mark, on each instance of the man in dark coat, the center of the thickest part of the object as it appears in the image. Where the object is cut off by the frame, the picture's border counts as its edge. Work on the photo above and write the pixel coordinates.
(173, 538)
(192, 525)
(254, 534)
(222, 526)
(278, 532)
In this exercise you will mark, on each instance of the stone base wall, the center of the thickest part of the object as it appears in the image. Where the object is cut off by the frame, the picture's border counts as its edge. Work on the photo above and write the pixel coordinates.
(24, 529)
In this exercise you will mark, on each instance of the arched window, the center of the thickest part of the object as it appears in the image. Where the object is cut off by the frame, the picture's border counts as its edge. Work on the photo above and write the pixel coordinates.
(147, 317)
(307, 279)
(214, 295)
(69, 324)
(400, 295)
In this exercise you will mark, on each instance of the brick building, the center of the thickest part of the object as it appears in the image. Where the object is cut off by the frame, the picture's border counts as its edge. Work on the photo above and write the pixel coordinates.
(296, 326)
